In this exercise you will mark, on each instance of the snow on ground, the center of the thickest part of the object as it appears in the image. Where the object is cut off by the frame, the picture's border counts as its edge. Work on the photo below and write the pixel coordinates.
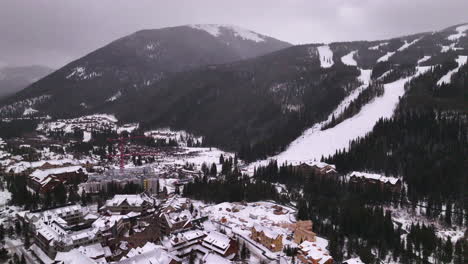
(167, 134)
(241, 217)
(114, 97)
(386, 57)
(314, 142)
(244, 216)
(460, 33)
(376, 47)
(354, 261)
(5, 196)
(3, 154)
(198, 156)
(86, 136)
(425, 58)
(128, 128)
(25, 165)
(96, 122)
(449, 48)
(406, 217)
(23, 104)
(408, 44)
(364, 78)
(461, 60)
(80, 73)
(349, 59)
(391, 53)
(384, 74)
(215, 30)
(29, 111)
(326, 56)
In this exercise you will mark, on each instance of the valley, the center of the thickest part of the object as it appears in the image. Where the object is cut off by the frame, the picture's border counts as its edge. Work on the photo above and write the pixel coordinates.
(216, 144)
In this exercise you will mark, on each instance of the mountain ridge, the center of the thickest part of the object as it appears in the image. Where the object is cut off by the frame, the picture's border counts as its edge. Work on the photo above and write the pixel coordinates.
(260, 103)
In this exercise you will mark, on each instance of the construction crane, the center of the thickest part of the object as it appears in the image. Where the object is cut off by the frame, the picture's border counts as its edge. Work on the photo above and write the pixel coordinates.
(122, 141)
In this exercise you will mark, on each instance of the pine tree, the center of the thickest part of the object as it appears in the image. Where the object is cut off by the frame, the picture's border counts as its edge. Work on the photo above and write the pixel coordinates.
(448, 214)
(213, 170)
(2, 233)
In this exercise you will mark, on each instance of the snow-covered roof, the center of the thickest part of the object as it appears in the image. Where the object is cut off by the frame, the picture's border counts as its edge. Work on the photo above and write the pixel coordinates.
(105, 222)
(318, 164)
(220, 241)
(24, 165)
(154, 256)
(215, 259)
(73, 257)
(141, 250)
(177, 217)
(131, 199)
(315, 251)
(374, 176)
(193, 234)
(40, 175)
(267, 231)
(92, 251)
(176, 202)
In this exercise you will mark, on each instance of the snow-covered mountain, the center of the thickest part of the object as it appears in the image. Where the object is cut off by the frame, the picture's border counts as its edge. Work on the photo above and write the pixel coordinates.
(143, 59)
(193, 78)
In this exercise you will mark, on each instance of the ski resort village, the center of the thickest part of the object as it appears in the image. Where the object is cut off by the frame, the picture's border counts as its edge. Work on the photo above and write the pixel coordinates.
(214, 144)
(86, 190)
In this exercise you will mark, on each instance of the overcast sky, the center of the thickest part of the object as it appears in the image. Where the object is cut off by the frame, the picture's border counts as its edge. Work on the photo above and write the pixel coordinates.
(54, 32)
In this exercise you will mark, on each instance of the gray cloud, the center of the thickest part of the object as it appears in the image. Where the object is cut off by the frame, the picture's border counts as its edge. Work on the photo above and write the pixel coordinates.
(54, 32)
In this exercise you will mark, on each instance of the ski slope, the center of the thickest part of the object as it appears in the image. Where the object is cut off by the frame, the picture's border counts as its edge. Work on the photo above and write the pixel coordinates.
(460, 33)
(402, 48)
(386, 57)
(461, 60)
(349, 59)
(423, 59)
(364, 78)
(326, 56)
(315, 143)
(408, 44)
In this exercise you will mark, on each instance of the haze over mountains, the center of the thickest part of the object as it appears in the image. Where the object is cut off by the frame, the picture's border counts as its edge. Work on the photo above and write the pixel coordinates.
(13, 79)
(239, 89)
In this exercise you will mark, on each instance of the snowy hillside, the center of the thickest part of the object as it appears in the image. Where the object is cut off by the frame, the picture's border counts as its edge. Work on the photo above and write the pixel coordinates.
(217, 30)
(461, 60)
(348, 59)
(326, 56)
(315, 143)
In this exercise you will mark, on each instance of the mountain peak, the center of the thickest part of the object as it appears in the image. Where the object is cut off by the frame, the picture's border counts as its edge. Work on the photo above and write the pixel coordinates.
(217, 30)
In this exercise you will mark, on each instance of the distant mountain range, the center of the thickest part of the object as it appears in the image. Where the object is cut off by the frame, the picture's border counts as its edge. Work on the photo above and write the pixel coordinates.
(240, 89)
(14, 79)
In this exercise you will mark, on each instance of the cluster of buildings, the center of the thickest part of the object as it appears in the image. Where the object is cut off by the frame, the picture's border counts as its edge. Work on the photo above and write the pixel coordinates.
(43, 176)
(125, 229)
(151, 180)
